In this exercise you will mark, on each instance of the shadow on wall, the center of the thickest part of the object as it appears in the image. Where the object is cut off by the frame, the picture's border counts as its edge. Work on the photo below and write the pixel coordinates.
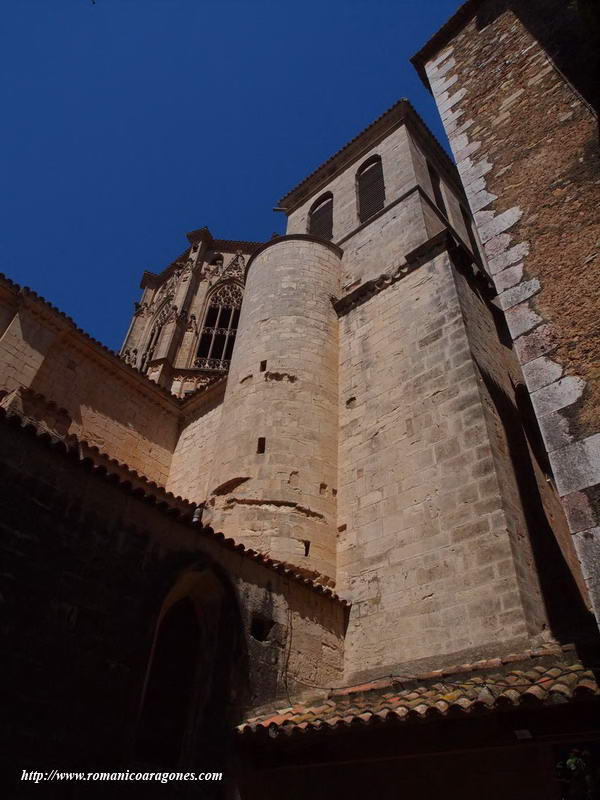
(569, 32)
(570, 620)
(195, 682)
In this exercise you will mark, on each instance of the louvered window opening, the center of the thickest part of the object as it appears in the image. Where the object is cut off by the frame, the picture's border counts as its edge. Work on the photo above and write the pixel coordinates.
(436, 184)
(219, 331)
(371, 190)
(320, 219)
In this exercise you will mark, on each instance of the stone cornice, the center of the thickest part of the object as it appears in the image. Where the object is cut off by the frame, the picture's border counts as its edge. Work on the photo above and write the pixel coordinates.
(447, 240)
(229, 245)
(212, 393)
(366, 290)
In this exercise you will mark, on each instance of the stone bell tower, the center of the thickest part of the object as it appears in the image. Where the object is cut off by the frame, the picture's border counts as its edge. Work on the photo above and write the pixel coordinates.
(370, 431)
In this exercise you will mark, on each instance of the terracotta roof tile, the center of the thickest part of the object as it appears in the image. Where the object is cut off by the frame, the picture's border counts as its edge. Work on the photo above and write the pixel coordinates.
(164, 501)
(371, 703)
(145, 384)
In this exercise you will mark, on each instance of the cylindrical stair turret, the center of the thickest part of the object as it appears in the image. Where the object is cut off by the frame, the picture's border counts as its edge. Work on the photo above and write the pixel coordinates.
(275, 472)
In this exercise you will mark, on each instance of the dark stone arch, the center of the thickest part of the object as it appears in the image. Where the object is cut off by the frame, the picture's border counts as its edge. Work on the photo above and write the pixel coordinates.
(169, 687)
(196, 674)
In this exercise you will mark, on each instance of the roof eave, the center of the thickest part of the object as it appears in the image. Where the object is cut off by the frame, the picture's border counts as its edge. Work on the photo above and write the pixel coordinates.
(390, 119)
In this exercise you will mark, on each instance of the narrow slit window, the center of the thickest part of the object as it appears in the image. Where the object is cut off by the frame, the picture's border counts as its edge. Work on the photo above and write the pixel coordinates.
(261, 444)
(320, 217)
(436, 185)
(370, 188)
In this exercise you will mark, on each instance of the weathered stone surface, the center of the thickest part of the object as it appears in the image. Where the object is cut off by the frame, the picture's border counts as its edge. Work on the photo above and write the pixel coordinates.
(532, 345)
(588, 547)
(540, 372)
(535, 149)
(521, 318)
(555, 430)
(559, 394)
(498, 224)
(518, 294)
(578, 465)
(507, 257)
(287, 321)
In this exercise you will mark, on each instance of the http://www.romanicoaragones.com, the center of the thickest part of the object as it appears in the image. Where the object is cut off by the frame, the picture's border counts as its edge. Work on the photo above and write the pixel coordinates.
(125, 775)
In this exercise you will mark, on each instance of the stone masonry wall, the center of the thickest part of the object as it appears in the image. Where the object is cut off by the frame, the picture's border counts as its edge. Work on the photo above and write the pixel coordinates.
(192, 462)
(536, 520)
(409, 216)
(103, 401)
(526, 146)
(426, 553)
(377, 246)
(398, 174)
(86, 567)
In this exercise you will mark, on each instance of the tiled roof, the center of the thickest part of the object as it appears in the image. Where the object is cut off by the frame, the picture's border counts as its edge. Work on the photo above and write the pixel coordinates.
(145, 384)
(115, 359)
(153, 494)
(473, 688)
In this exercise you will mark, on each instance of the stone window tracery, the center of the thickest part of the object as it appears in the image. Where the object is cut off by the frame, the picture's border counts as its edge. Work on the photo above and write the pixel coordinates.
(167, 314)
(219, 328)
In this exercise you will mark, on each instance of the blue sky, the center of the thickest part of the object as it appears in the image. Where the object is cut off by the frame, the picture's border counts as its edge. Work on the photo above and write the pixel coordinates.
(128, 123)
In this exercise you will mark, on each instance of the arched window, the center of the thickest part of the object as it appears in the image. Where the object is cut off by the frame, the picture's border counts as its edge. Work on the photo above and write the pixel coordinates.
(370, 188)
(219, 329)
(195, 683)
(320, 217)
(170, 687)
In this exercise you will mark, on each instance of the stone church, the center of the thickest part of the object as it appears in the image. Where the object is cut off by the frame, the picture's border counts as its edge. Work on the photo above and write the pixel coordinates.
(328, 523)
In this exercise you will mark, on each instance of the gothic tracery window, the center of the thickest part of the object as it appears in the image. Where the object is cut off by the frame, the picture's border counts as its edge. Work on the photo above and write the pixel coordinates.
(219, 329)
